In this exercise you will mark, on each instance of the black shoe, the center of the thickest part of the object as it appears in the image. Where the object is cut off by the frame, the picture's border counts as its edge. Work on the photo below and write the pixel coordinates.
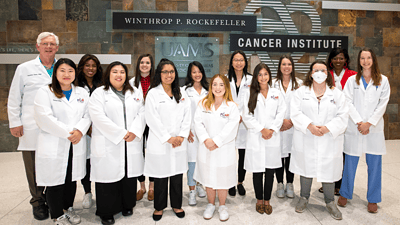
(180, 214)
(128, 212)
(41, 212)
(157, 217)
(232, 191)
(241, 189)
(107, 220)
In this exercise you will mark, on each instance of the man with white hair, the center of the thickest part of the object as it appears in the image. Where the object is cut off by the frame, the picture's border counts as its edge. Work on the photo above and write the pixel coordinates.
(28, 78)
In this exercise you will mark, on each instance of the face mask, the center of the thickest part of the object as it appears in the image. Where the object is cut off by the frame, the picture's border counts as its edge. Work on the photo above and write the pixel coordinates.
(319, 77)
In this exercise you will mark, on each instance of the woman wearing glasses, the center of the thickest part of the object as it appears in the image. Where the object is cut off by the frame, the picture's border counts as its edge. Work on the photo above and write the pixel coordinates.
(319, 113)
(239, 80)
(168, 117)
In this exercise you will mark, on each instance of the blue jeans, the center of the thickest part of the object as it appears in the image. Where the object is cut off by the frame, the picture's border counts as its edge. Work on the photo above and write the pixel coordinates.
(374, 164)
(190, 173)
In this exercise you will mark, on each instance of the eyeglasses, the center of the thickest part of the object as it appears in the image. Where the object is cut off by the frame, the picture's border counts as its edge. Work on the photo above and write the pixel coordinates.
(238, 60)
(165, 72)
(49, 44)
(321, 70)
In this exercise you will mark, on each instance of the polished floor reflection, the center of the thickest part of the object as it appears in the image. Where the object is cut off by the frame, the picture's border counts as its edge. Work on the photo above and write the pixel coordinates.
(15, 207)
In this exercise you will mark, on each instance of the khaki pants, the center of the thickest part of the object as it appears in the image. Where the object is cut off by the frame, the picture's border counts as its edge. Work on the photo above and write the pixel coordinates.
(38, 197)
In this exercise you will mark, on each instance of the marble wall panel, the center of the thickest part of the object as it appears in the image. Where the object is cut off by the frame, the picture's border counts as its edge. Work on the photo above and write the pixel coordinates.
(116, 5)
(29, 9)
(144, 4)
(93, 31)
(183, 6)
(3, 74)
(392, 109)
(396, 19)
(97, 9)
(72, 26)
(329, 17)
(127, 4)
(395, 61)
(394, 130)
(59, 4)
(8, 11)
(54, 21)
(116, 37)
(23, 31)
(347, 18)
(359, 42)
(391, 37)
(89, 48)
(47, 4)
(127, 43)
(68, 43)
(383, 19)
(385, 63)
(166, 6)
(391, 51)
(111, 48)
(208, 6)
(3, 38)
(365, 31)
(77, 10)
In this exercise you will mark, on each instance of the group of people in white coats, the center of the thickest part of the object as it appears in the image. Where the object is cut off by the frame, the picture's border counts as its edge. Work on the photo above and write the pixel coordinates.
(279, 125)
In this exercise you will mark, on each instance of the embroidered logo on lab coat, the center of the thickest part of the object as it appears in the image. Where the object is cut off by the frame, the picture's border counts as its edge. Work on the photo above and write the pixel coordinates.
(333, 101)
(81, 100)
(223, 115)
(136, 99)
(275, 97)
(182, 99)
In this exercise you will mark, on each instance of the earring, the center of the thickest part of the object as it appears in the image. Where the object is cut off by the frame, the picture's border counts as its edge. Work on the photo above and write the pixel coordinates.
(345, 65)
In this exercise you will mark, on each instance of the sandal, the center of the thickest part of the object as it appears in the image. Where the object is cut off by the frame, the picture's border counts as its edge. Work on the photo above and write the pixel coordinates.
(260, 208)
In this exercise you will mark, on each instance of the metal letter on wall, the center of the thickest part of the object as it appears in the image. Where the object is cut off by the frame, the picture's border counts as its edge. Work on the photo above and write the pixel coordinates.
(184, 50)
(279, 21)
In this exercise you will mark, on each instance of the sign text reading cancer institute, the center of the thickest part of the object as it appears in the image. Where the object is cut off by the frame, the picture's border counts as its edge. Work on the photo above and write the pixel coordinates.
(183, 22)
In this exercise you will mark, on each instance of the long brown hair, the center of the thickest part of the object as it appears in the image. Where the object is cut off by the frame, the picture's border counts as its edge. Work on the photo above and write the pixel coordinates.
(375, 72)
(55, 86)
(106, 77)
(255, 86)
(138, 73)
(210, 99)
(309, 80)
(279, 75)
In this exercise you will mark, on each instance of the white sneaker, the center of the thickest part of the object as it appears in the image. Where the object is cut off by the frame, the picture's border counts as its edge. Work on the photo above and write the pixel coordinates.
(200, 191)
(209, 212)
(72, 216)
(62, 220)
(192, 198)
(289, 190)
(280, 191)
(87, 201)
(223, 213)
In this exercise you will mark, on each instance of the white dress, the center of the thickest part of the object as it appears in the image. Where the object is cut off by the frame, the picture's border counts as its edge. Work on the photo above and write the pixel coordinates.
(217, 169)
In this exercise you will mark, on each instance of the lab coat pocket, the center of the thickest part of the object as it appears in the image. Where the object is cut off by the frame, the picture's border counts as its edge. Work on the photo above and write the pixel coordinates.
(98, 146)
(47, 145)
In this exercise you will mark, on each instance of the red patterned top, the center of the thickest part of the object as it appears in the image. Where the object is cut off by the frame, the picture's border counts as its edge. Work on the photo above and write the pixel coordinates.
(145, 82)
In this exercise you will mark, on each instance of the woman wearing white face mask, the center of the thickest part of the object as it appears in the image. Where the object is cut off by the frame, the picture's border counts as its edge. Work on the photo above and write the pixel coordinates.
(319, 114)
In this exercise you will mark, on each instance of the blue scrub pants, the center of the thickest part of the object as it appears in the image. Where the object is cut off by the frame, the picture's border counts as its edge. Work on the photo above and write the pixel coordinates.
(374, 164)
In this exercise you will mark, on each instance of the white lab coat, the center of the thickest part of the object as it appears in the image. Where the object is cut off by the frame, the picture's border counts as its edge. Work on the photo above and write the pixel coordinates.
(217, 169)
(88, 138)
(132, 83)
(166, 118)
(287, 135)
(238, 98)
(312, 156)
(269, 114)
(194, 97)
(56, 117)
(108, 130)
(28, 78)
(366, 106)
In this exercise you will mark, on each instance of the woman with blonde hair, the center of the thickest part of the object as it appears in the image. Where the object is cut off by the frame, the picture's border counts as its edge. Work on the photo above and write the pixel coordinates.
(216, 124)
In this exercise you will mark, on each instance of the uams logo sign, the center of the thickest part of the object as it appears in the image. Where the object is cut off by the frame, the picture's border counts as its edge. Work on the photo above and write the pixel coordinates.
(276, 18)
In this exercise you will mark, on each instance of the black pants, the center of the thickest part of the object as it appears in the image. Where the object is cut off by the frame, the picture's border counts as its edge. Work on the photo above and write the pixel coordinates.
(37, 192)
(241, 170)
(86, 180)
(112, 198)
(263, 193)
(161, 192)
(145, 136)
(285, 167)
(62, 196)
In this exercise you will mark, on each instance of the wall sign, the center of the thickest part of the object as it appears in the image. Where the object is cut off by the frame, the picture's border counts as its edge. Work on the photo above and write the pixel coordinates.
(286, 43)
(184, 50)
(183, 21)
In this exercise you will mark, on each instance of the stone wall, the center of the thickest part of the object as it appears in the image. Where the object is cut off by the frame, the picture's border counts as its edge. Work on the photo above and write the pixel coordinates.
(81, 27)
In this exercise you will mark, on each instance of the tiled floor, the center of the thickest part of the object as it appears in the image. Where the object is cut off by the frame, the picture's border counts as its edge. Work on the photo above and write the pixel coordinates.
(15, 207)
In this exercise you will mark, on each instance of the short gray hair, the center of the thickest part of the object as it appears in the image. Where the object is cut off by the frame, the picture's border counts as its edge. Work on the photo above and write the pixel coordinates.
(46, 34)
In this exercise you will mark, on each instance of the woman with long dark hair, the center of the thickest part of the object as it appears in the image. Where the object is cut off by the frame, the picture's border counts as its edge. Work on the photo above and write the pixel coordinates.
(239, 80)
(263, 113)
(287, 83)
(89, 77)
(117, 112)
(61, 114)
(144, 73)
(196, 87)
(319, 114)
(367, 95)
(216, 123)
(168, 117)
